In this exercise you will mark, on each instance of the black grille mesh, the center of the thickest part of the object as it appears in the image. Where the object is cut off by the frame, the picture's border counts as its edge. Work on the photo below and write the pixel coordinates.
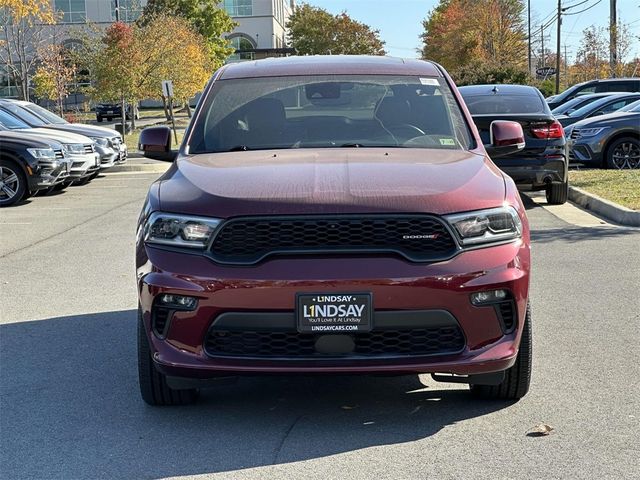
(419, 341)
(418, 238)
(507, 312)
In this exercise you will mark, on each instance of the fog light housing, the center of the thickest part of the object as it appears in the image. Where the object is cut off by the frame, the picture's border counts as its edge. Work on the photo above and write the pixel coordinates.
(488, 297)
(178, 301)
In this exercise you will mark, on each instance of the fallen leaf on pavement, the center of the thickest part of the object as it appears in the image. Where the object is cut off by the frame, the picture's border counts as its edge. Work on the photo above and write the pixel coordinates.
(540, 430)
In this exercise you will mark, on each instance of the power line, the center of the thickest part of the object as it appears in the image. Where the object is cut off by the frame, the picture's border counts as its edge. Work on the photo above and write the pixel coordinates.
(584, 10)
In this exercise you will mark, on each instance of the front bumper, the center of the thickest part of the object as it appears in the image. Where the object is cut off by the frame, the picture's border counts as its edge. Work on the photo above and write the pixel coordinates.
(588, 150)
(83, 165)
(396, 286)
(49, 174)
(108, 156)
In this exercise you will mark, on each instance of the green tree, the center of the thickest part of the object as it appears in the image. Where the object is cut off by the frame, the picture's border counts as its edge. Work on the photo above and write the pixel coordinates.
(206, 16)
(314, 31)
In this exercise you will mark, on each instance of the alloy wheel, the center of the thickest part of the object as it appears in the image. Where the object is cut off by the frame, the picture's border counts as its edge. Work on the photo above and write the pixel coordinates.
(9, 184)
(626, 155)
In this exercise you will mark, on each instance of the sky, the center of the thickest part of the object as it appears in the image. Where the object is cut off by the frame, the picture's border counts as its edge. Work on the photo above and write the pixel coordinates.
(400, 21)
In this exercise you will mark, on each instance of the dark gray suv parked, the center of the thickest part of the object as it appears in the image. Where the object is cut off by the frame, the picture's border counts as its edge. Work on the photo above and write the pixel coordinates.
(609, 140)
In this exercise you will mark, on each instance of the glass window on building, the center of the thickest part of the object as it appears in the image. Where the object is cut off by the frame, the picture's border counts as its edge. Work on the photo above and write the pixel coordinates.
(130, 10)
(239, 8)
(8, 88)
(241, 43)
(71, 11)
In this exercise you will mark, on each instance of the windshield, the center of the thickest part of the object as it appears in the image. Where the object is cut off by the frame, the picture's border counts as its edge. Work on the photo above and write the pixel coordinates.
(43, 113)
(503, 103)
(24, 115)
(329, 111)
(11, 122)
(632, 107)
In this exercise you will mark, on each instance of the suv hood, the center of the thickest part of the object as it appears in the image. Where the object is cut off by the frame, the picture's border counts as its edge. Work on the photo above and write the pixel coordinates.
(82, 129)
(62, 137)
(324, 181)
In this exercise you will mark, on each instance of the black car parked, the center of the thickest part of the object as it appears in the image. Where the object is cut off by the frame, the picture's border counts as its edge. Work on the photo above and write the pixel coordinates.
(611, 140)
(602, 106)
(28, 164)
(542, 164)
(109, 111)
(606, 85)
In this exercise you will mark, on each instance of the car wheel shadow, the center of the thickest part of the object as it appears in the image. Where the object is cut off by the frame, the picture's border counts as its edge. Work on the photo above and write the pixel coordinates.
(71, 406)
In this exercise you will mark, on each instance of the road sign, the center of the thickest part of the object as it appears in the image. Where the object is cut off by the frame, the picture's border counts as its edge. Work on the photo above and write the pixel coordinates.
(167, 88)
(545, 71)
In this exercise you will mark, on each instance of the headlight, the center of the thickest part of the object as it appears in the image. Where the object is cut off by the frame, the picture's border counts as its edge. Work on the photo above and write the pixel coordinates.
(590, 132)
(103, 142)
(179, 230)
(73, 148)
(42, 153)
(486, 226)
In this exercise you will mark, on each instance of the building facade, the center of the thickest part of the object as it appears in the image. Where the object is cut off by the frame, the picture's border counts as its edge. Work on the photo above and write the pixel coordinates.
(261, 30)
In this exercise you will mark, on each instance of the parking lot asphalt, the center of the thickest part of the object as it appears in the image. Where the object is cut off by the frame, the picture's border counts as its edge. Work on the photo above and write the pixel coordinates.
(70, 408)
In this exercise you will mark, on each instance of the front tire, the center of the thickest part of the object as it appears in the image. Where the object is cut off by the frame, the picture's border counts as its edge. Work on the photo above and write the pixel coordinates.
(557, 193)
(518, 378)
(624, 153)
(153, 384)
(13, 184)
(99, 119)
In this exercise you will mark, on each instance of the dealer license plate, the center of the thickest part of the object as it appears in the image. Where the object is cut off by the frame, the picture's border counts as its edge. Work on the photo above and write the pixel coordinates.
(334, 312)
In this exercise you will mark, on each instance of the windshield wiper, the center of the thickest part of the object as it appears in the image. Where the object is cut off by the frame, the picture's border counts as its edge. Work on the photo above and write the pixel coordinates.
(239, 148)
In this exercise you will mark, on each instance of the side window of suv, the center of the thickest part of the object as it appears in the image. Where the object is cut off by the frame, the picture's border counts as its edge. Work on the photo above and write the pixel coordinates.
(618, 87)
(612, 107)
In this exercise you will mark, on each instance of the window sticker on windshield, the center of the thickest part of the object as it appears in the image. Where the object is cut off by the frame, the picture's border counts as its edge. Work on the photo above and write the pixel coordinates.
(447, 141)
(429, 81)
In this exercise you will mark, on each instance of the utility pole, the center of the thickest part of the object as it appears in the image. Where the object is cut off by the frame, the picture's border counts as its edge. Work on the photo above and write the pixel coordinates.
(613, 38)
(558, 47)
(566, 66)
(529, 28)
(542, 37)
(117, 9)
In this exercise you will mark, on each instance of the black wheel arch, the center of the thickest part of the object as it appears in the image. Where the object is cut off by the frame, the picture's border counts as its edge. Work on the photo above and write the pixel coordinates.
(19, 161)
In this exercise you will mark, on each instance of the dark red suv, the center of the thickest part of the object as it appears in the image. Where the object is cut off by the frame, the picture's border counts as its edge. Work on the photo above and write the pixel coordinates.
(332, 215)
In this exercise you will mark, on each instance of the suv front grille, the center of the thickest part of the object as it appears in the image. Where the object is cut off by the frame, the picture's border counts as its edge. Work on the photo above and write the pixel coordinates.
(419, 238)
(59, 154)
(88, 149)
(294, 345)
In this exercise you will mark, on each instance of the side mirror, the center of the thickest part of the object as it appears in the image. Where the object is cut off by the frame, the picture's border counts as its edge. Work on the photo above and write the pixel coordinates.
(506, 138)
(155, 143)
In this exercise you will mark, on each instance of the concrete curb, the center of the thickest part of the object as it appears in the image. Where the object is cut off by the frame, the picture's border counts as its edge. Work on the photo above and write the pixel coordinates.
(612, 211)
